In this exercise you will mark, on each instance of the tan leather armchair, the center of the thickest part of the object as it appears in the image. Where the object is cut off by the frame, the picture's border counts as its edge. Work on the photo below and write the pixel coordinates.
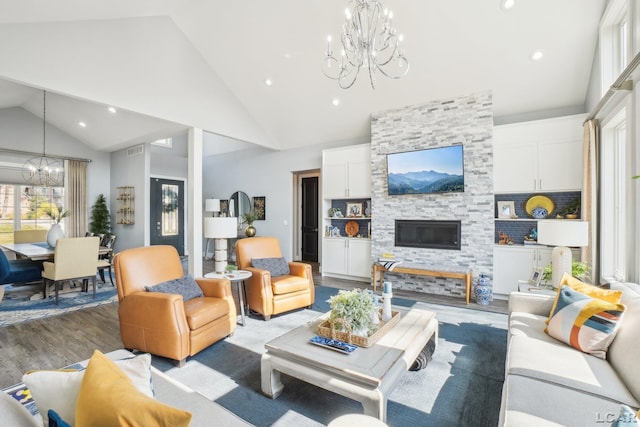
(273, 295)
(164, 324)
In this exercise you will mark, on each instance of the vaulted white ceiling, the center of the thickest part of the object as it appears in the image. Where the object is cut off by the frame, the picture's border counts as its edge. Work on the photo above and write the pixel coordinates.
(172, 64)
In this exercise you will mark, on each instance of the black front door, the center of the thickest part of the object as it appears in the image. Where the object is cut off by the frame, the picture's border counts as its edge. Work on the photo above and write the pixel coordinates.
(310, 219)
(167, 213)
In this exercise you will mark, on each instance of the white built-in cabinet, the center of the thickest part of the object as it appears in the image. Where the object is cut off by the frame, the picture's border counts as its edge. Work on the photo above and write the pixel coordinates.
(541, 156)
(346, 172)
(347, 257)
(538, 156)
(346, 175)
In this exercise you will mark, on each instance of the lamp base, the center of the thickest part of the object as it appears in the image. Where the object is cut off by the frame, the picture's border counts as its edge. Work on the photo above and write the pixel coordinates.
(220, 252)
(561, 261)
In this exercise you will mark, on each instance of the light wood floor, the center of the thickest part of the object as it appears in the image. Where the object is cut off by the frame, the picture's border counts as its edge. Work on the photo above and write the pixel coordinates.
(58, 341)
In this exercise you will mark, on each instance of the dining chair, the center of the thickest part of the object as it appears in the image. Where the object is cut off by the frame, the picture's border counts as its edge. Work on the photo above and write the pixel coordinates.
(29, 236)
(105, 261)
(75, 258)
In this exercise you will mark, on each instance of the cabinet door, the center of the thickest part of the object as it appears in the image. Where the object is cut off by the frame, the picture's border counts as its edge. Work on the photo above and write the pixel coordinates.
(511, 264)
(514, 167)
(334, 180)
(560, 165)
(359, 257)
(359, 181)
(334, 259)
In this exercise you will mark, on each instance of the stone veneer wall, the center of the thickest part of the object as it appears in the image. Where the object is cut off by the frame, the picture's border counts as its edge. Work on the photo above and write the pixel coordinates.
(468, 121)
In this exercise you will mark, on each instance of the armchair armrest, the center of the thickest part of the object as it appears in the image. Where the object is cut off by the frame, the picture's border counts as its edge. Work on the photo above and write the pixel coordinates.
(531, 303)
(216, 288)
(300, 269)
(153, 310)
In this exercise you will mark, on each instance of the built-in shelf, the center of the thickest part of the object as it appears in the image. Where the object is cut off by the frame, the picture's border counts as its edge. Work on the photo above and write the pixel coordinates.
(520, 219)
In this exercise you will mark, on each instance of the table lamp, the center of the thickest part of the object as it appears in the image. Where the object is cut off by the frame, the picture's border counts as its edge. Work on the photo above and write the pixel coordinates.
(562, 233)
(220, 229)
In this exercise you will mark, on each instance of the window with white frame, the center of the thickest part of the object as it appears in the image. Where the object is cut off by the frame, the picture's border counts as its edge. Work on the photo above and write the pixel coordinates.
(614, 178)
(25, 207)
(615, 34)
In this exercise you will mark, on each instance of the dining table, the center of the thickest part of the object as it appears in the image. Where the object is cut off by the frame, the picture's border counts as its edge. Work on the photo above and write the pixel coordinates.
(40, 251)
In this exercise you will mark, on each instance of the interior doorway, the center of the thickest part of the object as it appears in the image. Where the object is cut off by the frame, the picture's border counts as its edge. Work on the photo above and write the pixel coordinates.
(307, 216)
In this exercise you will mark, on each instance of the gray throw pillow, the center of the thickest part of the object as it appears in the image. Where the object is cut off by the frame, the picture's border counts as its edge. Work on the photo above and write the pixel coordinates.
(276, 266)
(185, 286)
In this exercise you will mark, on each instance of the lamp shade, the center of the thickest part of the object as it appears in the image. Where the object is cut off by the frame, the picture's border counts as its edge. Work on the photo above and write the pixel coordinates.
(212, 205)
(220, 227)
(563, 232)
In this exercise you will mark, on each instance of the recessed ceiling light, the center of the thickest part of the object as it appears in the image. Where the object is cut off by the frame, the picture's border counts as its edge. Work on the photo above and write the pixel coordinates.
(507, 4)
(335, 102)
(536, 55)
(268, 82)
(112, 110)
(82, 124)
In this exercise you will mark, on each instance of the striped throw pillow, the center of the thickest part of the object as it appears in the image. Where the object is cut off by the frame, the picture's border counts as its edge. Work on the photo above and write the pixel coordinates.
(585, 323)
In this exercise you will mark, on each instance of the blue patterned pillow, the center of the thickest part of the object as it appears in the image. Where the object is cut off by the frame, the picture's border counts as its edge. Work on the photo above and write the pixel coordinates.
(55, 420)
(275, 266)
(185, 286)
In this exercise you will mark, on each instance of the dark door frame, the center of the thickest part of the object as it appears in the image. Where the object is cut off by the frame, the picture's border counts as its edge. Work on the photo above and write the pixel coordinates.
(297, 211)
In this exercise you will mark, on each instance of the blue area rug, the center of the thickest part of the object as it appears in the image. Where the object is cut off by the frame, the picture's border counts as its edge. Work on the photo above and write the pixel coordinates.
(16, 306)
(461, 386)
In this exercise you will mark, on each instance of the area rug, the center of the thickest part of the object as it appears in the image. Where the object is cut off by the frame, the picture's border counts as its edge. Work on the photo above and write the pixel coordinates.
(460, 386)
(17, 307)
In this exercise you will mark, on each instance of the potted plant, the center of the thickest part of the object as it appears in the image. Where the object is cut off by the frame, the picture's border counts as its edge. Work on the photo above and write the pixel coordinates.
(354, 307)
(249, 218)
(55, 232)
(100, 217)
(571, 210)
(579, 269)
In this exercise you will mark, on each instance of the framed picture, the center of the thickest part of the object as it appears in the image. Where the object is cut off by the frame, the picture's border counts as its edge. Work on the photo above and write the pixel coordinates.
(260, 207)
(224, 207)
(536, 277)
(354, 209)
(506, 210)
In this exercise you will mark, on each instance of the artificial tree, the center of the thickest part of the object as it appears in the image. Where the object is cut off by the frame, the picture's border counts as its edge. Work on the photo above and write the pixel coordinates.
(100, 217)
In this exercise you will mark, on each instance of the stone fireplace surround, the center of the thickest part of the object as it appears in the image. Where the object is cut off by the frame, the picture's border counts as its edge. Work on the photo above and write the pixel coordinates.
(466, 120)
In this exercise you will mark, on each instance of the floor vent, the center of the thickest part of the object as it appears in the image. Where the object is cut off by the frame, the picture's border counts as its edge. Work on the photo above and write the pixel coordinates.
(134, 151)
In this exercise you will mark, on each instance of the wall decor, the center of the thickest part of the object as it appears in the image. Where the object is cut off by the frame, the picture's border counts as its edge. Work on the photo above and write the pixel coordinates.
(259, 205)
(506, 209)
(224, 207)
(354, 210)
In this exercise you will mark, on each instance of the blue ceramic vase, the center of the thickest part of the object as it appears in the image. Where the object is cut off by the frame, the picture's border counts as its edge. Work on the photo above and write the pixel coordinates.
(483, 290)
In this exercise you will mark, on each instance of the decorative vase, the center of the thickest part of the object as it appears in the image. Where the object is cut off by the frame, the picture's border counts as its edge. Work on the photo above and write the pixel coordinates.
(54, 233)
(483, 290)
(250, 231)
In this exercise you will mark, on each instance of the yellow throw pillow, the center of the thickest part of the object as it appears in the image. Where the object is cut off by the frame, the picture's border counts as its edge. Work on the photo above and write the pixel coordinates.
(587, 289)
(108, 397)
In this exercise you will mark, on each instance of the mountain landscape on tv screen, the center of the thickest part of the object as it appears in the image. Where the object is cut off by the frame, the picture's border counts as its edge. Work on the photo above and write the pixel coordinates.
(424, 182)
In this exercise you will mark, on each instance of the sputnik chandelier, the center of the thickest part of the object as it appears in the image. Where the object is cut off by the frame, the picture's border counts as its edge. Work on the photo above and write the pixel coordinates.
(369, 41)
(44, 171)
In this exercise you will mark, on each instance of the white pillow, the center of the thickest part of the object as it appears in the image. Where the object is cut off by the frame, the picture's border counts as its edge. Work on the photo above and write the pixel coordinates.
(14, 414)
(58, 390)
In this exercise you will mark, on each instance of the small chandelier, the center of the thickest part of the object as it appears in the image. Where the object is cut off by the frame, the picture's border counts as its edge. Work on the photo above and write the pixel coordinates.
(369, 40)
(44, 171)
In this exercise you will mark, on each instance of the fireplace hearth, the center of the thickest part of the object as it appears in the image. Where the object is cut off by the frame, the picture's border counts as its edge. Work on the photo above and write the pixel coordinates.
(428, 234)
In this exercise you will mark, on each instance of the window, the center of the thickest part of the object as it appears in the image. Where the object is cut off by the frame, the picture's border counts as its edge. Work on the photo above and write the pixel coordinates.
(24, 207)
(614, 41)
(614, 182)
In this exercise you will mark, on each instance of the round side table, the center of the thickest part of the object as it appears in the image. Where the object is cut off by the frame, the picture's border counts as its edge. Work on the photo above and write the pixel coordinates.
(238, 277)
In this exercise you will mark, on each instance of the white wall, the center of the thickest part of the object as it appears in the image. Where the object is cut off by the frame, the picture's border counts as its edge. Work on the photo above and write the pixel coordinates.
(262, 172)
(21, 130)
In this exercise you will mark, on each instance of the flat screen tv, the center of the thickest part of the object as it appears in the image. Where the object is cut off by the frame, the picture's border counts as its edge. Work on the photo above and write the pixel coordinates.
(433, 170)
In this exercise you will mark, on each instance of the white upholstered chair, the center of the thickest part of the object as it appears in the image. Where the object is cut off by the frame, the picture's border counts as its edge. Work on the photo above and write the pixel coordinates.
(76, 258)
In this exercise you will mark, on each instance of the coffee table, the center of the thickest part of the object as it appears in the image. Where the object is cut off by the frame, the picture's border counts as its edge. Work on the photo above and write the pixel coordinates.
(367, 375)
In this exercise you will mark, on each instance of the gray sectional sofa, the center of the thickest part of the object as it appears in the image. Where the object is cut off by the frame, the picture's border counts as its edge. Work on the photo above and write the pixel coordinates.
(548, 383)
